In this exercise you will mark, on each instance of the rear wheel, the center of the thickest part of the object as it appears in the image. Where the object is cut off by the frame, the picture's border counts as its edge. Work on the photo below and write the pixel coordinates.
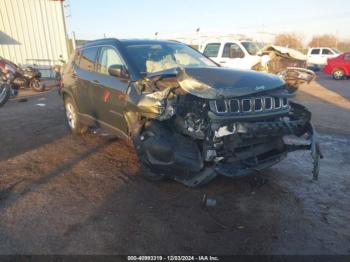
(5, 93)
(73, 122)
(338, 74)
(36, 85)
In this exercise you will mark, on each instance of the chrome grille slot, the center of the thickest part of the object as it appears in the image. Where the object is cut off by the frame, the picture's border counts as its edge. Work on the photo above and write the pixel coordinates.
(246, 105)
(284, 102)
(258, 104)
(277, 103)
(221, 106)
(268, 103)
(234, 106)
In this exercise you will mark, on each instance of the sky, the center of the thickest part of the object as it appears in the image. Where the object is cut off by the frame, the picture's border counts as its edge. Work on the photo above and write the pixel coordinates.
(91, 19)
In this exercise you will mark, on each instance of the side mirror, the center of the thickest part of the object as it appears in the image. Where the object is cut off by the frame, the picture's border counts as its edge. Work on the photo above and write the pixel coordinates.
(118, 71)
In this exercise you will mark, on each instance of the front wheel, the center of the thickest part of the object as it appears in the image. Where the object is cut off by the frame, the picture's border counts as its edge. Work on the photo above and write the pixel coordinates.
(36, 85)
(74, 125)
(338, 74)
(5, 93)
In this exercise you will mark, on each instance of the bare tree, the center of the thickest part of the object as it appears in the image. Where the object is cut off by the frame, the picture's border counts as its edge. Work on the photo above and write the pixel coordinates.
(290, 40)
(344, 46)
(324, 41)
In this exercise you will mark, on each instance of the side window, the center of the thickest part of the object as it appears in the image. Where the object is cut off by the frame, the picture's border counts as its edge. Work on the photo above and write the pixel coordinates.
(315, 51)
(212, 50)
(347, 57)
(108, 57)
(326, 51)
(88, 58)
(232, 50)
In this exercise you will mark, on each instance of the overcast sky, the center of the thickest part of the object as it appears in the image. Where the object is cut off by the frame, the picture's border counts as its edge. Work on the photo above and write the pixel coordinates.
(92, 19)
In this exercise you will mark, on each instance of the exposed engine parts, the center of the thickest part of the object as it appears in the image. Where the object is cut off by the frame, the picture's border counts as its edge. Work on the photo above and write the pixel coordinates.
(194, 136)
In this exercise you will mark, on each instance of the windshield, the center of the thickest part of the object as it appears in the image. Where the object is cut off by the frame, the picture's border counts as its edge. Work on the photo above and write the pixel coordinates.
(251, 47)
(151, 58)
(336, 51)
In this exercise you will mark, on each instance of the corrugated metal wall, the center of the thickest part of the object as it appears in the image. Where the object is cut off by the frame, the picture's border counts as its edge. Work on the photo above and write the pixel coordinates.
(32, 30)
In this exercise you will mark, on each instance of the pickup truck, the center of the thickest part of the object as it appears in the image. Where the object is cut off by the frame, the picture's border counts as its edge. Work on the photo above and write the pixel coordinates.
(317, 57)
(240, 54)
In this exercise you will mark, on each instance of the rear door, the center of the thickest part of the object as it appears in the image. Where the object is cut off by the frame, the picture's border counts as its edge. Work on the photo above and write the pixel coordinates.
(111, 94)
(314, 56)
(84, 74)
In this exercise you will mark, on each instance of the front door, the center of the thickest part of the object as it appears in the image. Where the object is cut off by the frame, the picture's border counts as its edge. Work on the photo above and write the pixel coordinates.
(326, 53)
(314, 57)
(233, 56)
(111, 92)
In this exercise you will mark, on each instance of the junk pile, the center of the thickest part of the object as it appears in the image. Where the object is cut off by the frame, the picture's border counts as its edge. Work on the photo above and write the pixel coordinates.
(288, 63)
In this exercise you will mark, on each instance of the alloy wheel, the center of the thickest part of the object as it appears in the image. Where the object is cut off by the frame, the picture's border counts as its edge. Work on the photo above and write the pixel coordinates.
(71, 115)
(338, 74)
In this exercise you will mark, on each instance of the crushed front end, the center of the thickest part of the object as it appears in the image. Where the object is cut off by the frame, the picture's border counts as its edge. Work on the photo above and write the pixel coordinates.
(193, 135)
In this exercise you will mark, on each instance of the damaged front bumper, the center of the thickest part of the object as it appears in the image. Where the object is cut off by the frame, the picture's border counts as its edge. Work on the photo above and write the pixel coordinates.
(234, 148)
(192, 130)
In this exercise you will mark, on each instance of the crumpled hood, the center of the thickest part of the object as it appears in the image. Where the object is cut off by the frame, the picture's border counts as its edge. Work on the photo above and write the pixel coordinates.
(218, 82)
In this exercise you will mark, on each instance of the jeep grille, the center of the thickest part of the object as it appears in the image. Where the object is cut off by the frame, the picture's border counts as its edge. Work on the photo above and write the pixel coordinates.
(249, 105)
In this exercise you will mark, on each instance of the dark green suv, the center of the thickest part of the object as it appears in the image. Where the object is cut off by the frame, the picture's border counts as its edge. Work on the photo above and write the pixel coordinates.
(188, 118)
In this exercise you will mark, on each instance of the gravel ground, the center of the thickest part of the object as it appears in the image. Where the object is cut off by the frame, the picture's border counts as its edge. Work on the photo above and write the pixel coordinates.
(61, 194)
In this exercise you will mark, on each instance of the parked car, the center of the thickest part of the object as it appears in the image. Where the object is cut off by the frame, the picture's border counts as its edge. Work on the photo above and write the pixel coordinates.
(188, 118)
(338, 67)
(233, 54)
(317, 57)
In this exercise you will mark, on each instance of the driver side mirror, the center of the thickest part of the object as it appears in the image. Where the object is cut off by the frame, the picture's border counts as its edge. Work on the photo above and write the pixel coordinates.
(119, 71)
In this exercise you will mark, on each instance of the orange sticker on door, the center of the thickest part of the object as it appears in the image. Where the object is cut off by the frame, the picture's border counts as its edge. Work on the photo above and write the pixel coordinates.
(106, 95)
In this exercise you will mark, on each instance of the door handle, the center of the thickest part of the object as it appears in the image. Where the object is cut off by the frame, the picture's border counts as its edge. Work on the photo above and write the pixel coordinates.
(96, 82)
(222, 62)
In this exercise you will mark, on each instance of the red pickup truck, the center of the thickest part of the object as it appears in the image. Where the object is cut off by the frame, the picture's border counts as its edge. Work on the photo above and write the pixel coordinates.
(338, 67)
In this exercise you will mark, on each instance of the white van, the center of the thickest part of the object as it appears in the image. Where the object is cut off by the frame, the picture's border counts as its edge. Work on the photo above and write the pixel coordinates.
(239, 54)
(318, 56)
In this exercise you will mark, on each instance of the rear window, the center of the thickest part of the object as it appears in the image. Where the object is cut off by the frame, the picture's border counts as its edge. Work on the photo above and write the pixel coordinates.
(212, 50)
(88, 58)
(315, 51)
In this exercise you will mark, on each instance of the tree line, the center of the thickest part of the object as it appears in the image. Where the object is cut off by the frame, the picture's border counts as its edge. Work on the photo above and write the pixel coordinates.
(293, 40)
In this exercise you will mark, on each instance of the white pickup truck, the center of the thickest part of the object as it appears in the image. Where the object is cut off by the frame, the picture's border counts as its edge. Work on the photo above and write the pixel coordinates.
(318, 56)
(232, 53)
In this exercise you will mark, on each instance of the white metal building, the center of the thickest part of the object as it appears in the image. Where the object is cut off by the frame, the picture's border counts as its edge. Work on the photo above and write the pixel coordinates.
(33, 31)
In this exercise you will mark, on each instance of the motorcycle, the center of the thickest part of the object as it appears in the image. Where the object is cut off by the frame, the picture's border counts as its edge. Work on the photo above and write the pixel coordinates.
(24, 76)
(7, 89)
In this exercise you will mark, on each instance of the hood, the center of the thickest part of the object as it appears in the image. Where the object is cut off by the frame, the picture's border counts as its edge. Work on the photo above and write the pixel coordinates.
(218, 82)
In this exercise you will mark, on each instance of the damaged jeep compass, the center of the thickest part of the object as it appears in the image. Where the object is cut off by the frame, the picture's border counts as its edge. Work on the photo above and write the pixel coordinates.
(188, 118)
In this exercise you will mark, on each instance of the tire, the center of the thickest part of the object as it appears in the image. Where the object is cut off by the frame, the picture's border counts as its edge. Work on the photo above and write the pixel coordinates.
(338, 74)
(75, 126)
(36, 85)
(5, 93)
